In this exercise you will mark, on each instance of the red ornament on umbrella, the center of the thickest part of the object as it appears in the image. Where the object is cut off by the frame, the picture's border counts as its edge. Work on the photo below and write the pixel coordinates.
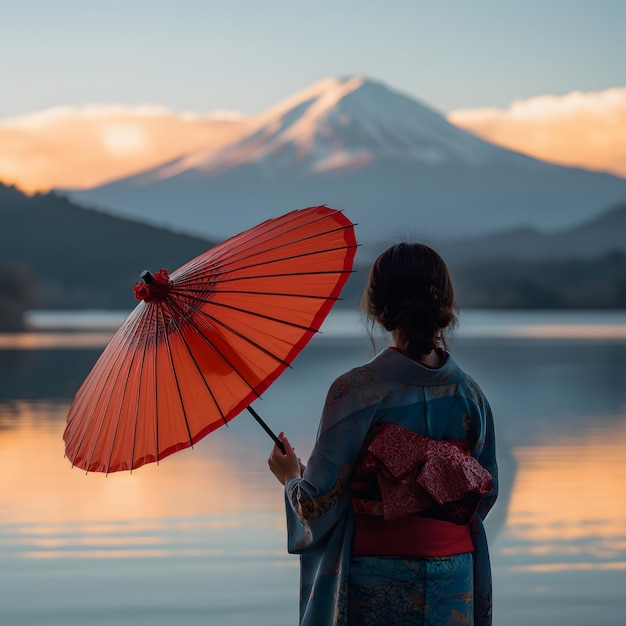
(208, 340)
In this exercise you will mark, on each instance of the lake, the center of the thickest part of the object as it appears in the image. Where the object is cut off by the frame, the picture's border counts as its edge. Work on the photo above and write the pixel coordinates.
(200, 538)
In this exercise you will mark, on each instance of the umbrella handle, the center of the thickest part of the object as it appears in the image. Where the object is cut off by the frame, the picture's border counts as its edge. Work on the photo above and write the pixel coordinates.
(267, 429)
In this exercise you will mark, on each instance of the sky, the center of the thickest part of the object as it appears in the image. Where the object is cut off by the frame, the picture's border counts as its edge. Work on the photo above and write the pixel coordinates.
(92, 91)
(247, 55)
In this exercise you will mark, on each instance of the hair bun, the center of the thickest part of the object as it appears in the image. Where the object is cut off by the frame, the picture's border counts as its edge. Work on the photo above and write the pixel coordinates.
(434, 294)
(389, 316)
(410, 292)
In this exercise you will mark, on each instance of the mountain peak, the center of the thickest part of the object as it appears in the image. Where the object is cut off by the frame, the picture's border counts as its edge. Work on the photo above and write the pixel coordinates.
(330, 87)
(359, 145)
(342, 123)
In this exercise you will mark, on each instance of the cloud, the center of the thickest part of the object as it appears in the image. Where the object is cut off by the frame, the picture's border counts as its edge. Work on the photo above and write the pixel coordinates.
(578, 129)
(95, 112)
(82, 147)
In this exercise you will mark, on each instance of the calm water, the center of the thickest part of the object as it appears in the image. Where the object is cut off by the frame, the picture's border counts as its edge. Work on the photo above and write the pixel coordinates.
(200, 538)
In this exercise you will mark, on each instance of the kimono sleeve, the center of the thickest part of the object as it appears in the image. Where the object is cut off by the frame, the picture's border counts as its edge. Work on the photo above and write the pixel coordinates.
(487, 458)
(483, 441)
(486, 455)
(320, 499)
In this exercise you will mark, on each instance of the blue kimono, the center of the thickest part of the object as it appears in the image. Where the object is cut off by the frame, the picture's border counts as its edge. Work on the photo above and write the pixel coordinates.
(443, 403)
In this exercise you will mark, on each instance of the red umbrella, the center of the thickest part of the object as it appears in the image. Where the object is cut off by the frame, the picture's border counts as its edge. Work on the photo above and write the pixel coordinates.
(209, 339)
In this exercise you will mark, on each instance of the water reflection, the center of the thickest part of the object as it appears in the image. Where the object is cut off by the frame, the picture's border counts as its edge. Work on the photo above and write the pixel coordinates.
(44, 341)
(568, 501)
(568, 508)
(37, 482)
(211, 517)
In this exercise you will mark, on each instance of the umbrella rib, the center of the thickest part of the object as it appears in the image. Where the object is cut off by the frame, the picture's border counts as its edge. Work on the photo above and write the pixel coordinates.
(190, 321)
(72, 436)
(119, 413)
(137, 402)
(269, 236)
(268, 233)
(86, 428)
(248, 340)
(201, 289)
(114, 359)
(171, 358)
(248, 312)
(290, 244)
(228, 279)
(155, 373)
(223, 267)
(241, 336)
(247, 292)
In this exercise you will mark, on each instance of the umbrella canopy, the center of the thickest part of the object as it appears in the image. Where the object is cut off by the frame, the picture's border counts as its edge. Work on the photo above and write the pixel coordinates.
(208, 340)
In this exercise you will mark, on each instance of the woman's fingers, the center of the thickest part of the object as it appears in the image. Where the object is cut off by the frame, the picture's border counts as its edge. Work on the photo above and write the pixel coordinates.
(284, 465)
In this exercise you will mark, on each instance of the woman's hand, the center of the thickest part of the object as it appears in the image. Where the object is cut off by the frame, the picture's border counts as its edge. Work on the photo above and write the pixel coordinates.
(284, 466)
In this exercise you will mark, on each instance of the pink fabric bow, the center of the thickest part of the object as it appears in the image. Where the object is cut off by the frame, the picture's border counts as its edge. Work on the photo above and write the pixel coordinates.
(415, 473)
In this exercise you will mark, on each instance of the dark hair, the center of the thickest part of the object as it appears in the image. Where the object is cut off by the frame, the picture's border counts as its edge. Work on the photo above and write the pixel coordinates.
(410, 292)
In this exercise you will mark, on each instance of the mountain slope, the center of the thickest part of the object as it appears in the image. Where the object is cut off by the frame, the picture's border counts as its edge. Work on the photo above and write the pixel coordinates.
(398, 168)
(597, 237)
(81, 258)
(345, 124)
(87, 259)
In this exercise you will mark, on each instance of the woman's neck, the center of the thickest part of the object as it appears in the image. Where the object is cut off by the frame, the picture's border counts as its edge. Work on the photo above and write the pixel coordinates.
(434, 359)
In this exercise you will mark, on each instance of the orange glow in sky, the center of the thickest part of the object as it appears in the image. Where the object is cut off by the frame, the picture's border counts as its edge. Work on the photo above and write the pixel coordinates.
(585, 130)
(83, 147)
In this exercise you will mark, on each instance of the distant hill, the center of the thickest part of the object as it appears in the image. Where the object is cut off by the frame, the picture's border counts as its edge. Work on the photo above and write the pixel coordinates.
(56, 254)
(596, 237)
(581, 267)
(396, 166)
(598, 283)
(82, 258)
(17, 295)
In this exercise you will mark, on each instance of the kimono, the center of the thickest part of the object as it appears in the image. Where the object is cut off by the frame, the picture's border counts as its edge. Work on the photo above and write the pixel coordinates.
(442, 404)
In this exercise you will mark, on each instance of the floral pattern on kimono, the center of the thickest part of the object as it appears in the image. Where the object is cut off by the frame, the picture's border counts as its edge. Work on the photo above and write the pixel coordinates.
(443, 403)
(427, 592)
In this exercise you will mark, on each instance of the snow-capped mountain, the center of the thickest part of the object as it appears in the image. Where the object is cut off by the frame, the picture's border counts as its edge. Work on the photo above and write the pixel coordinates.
(343, 124)
(395, 166)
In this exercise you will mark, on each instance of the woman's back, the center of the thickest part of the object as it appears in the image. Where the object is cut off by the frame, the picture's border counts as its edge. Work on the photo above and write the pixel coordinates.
(388, 514)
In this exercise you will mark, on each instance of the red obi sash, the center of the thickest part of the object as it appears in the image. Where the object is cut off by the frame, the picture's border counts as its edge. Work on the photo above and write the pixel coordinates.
(413, 536)
(414, 496)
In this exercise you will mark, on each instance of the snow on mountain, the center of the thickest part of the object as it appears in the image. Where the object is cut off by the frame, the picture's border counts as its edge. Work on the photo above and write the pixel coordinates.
(398, 168)
(343, 124)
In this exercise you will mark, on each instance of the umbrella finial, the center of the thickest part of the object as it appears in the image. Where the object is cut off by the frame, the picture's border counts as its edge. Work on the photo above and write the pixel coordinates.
(147, 277)
(154, 286)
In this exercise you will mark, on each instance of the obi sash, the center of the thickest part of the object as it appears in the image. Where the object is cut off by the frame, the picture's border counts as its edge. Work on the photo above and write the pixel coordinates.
(415, 496)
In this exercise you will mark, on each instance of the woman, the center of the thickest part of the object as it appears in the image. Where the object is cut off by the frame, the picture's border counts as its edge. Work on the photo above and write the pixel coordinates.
(388, 513)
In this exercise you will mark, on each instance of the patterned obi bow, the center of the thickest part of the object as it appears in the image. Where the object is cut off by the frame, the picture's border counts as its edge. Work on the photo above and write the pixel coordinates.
(404, 473)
